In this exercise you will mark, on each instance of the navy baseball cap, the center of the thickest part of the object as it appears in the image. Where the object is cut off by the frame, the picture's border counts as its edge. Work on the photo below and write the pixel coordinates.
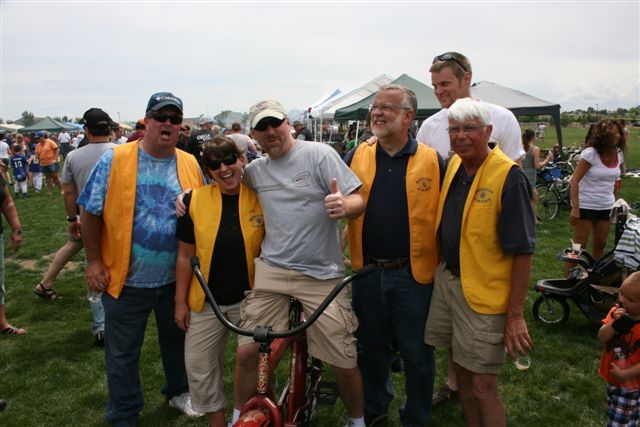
(163, 99)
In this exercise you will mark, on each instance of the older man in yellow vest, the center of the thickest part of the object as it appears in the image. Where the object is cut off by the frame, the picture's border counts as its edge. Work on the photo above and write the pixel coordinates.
(486, 239)
(128, 230)
(400, 185)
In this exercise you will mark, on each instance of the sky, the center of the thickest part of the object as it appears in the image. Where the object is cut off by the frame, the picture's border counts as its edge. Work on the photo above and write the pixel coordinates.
(63, 57)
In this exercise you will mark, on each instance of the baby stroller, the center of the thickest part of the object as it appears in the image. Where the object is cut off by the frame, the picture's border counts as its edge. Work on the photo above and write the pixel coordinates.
(592, 285)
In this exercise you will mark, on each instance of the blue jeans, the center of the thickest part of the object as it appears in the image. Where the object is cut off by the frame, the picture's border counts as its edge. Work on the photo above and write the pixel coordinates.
(125, 324)
(391, 305)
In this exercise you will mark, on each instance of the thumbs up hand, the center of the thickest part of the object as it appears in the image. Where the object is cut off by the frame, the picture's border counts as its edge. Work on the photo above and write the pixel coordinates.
(334, 203)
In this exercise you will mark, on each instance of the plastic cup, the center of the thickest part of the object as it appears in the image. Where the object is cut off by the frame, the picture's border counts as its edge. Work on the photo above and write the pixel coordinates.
(576, 247)
(522, 363)
(94, 296)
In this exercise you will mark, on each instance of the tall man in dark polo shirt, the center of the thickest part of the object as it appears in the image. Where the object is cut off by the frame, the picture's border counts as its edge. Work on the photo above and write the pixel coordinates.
(401, 185)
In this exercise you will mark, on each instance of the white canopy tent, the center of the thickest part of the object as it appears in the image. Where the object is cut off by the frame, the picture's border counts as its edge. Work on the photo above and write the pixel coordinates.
(325, 111)
(10, 127)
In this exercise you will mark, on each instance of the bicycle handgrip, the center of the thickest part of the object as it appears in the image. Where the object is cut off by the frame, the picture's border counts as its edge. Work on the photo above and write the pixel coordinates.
(365, 270)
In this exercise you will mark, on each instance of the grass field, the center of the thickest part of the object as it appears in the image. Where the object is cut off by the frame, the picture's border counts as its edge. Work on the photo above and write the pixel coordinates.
(54, 377)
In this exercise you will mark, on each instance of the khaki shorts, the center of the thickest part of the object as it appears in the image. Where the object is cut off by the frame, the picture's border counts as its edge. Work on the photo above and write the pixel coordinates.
(476, 340)
(329, 339)
(204, 347)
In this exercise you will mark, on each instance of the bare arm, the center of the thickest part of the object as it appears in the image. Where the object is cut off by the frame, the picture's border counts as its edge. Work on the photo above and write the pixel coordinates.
(578, 174)
(184, 272)
(606, 332)
(11, 213)
(97, 273)
(340, 206)
(252, 147)
(536, 159)
(516, 335)
(70, 196)
(355, 205)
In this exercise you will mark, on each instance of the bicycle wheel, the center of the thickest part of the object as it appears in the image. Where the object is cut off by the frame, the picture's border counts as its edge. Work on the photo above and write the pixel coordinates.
(550, 309)
(547, 202)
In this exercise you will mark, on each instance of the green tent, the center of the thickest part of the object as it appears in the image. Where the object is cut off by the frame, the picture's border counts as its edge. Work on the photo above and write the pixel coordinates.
(427, 102)
(48, 124)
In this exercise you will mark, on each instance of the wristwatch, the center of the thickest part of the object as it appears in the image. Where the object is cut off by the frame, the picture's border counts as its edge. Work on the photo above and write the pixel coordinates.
(72, 218)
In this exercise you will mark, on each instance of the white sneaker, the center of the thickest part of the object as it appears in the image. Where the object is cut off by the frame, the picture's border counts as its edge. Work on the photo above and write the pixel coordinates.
(183, 404)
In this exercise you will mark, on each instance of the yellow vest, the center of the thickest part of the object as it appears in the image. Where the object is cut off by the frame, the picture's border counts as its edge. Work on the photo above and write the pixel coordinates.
(423, 188)
(485, 270)
(119, 205)
(205, 210)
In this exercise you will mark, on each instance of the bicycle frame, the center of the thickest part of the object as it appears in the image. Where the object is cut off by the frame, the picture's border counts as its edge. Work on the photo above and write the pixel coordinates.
(297, 397)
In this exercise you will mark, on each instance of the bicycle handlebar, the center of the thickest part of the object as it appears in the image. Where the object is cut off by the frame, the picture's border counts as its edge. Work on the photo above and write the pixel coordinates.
(264, 333)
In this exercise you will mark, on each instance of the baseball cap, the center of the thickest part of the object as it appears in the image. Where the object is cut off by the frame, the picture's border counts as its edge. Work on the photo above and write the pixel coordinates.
(163, 99)
(39, 134)
(268, 108)
(96, 119)
(203, 120)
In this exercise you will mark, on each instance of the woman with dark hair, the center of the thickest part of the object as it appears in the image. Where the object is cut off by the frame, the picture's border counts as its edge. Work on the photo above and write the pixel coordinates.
(224, 227)
(531, 163)
(593, 185)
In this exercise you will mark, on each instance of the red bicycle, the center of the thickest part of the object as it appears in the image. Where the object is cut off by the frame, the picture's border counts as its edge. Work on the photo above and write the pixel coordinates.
(304, 388)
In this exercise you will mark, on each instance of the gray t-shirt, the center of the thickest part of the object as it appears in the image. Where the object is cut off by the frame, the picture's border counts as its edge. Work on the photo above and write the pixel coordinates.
(79, 163)
(299, 234)
(242, 141)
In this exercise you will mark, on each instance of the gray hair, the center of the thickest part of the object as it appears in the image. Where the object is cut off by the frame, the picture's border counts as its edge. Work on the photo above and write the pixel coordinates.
(469, 109)
(409, 100)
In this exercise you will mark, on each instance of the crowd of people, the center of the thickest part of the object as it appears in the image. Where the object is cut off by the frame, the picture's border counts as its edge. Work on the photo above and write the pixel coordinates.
(446, 217)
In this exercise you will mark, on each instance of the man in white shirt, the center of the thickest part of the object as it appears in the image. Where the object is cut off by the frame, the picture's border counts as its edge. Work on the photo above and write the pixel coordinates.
(64, 140)
(451, 79)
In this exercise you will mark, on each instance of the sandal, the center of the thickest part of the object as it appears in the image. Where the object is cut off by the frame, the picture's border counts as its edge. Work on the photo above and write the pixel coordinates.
(443, 395)
(44, 293)
(11, 330)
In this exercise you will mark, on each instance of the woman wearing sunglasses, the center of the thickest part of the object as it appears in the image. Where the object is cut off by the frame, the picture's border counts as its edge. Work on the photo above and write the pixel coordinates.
(224, 227)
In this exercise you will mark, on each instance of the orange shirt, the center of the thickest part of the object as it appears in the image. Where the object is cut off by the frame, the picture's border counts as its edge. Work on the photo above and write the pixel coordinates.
(47, 152)
(629, 344)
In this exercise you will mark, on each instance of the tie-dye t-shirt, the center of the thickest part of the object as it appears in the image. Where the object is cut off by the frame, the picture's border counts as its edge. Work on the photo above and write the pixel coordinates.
(154, 246)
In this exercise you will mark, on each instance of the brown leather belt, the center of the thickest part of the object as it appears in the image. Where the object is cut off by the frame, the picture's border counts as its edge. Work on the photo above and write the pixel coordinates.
(389, 264)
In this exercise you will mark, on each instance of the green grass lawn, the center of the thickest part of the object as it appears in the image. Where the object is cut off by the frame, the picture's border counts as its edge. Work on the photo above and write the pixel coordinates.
(54, 377)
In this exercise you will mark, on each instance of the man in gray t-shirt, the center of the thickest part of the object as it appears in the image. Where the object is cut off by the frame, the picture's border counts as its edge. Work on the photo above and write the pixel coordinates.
(304, 189)
(77, 168)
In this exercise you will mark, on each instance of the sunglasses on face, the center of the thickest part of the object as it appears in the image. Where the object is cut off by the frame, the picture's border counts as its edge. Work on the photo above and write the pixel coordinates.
(228, 160)
(268, 121)
(447, 57)
(161, 118)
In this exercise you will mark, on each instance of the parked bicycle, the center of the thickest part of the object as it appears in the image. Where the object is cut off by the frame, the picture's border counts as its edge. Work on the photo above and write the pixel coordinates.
(304, 389)
(556, 193)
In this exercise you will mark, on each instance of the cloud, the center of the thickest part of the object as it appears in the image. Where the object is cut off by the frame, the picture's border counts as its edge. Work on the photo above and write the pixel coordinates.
(60, 58)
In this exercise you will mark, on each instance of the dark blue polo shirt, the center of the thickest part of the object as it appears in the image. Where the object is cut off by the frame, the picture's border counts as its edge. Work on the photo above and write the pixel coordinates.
(385, 233)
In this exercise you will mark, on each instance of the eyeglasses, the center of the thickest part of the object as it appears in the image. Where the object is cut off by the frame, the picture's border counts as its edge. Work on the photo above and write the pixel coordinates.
(468, 129)
(161, 118)
(386, 108)
(266, 122)
(228, 160)
(448, 57)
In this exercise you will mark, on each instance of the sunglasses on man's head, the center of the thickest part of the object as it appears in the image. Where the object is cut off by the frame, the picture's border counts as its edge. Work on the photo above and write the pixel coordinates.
(228, 160)
(161, 118)
(268, 121)
(448, 57)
